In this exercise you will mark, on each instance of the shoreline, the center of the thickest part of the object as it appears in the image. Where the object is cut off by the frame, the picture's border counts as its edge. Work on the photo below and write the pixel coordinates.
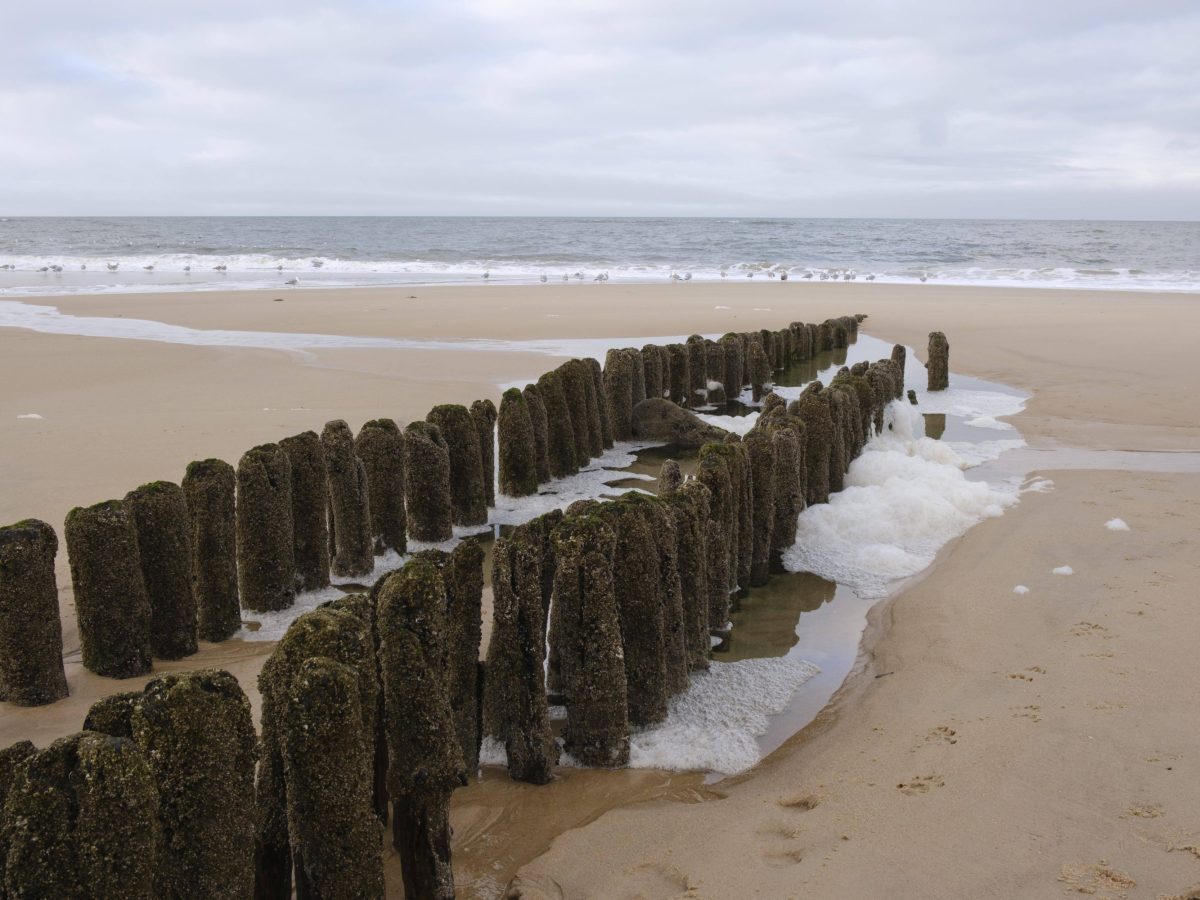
(1127, 398)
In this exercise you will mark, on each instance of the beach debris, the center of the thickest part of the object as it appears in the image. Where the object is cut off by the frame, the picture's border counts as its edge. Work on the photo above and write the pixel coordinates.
(160, 516)
(514, 700)
(349, 513)
(379, 445)
(539, 425)
(31, 665)
(326, 764)
(87, 807)
(483, 414)
(311, 544)
(266, 559)
(518, 463)
(427, 483)
(425, 763)
(939, 361)
(586, 642)
(334, 631)
(195, 731)
(661, 420)
(468, 497)
(111, 604)
(208, 487)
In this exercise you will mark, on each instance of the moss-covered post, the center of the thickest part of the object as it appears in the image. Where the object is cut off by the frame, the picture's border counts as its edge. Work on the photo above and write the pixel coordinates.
(209, 486)
(334, 834)
(839, 453)
(310, 509)
(31, 666)
(681, 374)
(880, 380)
(560, 435)
(597, 373)
(669, 478)
(81, 821)
(697, 368)
(713, 473)
(265, 549)
(638, 586)
(734, 373)
(160, 516)
(618, 392)
(594, 400)
(760, 369)
(666, 539)
(195, 730)
(789, 494)
(761, 450)
(589, 643)
(575, 377)
(113, 714)
(380, 446)
(425, 763)
(518, 451)
(744, 506)
(11, 758)
(652, 371)
(538, 421)
(326, 631)
(110, 599)
(483, 414)
(900, 357)
(349, 513)
(468, 496)
(690, 507)
(813, 410)
(939, 361)
(427, 483)
(515, 710)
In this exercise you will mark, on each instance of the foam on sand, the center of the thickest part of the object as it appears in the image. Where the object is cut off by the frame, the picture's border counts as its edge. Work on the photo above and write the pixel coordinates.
(714, 725)
(1116, 525)
(1020, 589)
(29, 416)
(1063, 570)
(905, 497)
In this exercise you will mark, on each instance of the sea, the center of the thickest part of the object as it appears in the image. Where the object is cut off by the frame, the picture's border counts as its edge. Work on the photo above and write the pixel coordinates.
(40, 256)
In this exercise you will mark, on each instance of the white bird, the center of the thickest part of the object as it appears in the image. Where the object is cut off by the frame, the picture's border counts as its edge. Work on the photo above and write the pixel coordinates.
(317, 263)
(83, 267)
(579, 275)
(602, 277)
(724, 273)
(187, 269)
(749, 274)
(56, 268)
(871, 277)
(687, 276)
(771, 273)
(924, 277)
(807, 275)
(292, 281)
(783, 276)
(675, 276)
(487, 275)
(149, 268)
(544, 279)
(44, 269)
(566, 277)
(112, 267)
(824, 276)
(221, 268)
(279, 268)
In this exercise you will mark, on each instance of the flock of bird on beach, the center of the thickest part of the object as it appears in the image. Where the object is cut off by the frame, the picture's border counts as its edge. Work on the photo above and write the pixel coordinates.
(778, 272)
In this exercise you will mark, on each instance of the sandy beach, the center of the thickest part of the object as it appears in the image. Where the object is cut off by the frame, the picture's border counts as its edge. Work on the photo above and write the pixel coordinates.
(988, 744)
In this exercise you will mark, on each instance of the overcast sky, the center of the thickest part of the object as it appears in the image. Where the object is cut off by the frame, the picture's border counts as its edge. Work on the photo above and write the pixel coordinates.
(1054, 108)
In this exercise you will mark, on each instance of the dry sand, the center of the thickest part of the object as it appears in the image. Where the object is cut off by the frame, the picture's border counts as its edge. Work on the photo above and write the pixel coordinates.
(1035, 745)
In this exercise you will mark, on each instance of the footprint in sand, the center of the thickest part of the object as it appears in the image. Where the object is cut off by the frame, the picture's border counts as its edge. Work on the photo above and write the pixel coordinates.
(1100, 881)
(1090, 629)
(654, 881)
(943, 734)
(803, 802)
(1019, 676)
(1144, 811)
(1027, 712)
(921, 784)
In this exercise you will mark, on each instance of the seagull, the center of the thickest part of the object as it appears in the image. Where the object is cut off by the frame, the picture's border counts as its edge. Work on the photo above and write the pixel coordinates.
(924, 277)
(566, 277)
(187, 269)
(675, 276)
(687, 276)
(724, 273)
(83, 267)
(602, 277)
(279, 268)
(824, 276)
(783, 276)
(807, 275)
(771, 273)
(292, 281)
(487, 275)
(544, 279)
(871, 277)
(112, 267)
(56, 268)
(44, 269)
(317, 263)
(749, 274)
(221, 268)
(149, 268)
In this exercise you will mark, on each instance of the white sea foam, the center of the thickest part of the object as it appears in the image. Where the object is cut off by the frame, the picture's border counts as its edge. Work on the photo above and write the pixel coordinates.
(30, 416)
(1116, 525)
(1020, 589)
(1038, 486)
(979, 408)
(905, 497)
(1063, 570)
(714, 725)
(736, 424)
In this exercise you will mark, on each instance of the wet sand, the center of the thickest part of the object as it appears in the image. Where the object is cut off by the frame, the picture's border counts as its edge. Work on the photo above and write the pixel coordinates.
(1089, 791)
